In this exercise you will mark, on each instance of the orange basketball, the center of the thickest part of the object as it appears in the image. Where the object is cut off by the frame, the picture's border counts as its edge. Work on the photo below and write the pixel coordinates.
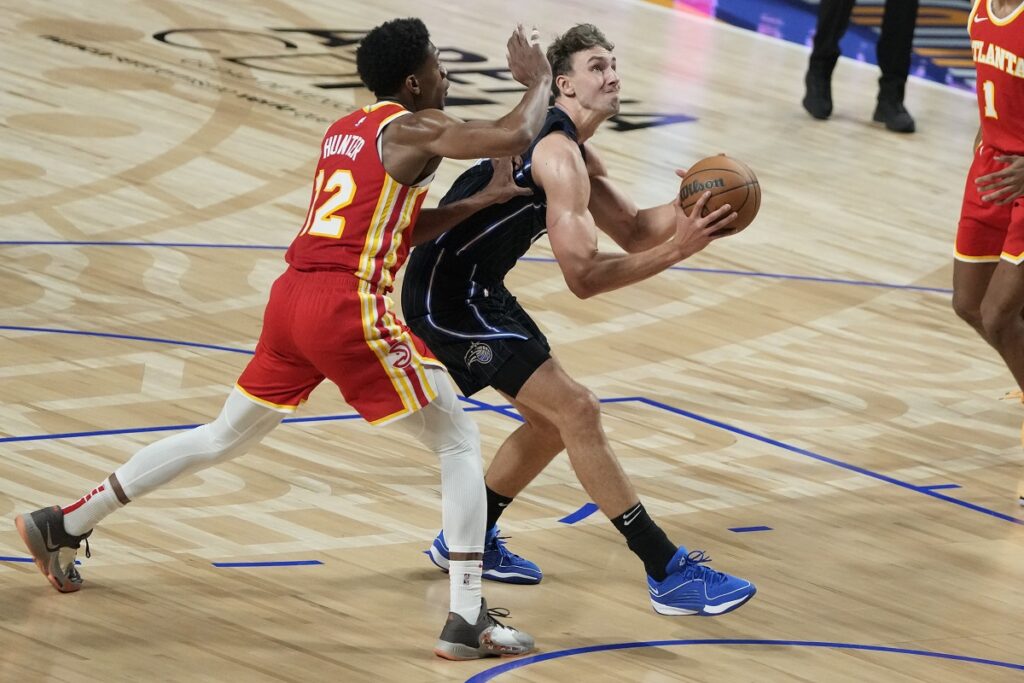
(730, 181)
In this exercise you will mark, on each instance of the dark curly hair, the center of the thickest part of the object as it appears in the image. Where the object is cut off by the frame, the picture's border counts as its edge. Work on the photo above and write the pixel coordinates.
(390, 53)
(577, 39)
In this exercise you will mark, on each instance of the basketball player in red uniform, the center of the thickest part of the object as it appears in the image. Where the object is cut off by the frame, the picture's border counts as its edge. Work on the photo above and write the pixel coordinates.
(330, 316)
(988, 278)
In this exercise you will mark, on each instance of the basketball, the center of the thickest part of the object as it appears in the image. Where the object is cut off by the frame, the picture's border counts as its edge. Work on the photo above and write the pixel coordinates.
(730, 181)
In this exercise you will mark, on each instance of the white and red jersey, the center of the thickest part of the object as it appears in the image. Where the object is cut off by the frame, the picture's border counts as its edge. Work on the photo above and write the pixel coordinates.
(998, 46)
(358, 213)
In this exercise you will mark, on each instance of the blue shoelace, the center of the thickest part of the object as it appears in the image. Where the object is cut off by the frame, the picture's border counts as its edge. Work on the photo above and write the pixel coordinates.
(499, 546)
(692, 567)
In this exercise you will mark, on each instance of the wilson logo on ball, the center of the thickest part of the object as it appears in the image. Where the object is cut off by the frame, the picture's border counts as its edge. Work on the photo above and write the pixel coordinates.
(696, 187)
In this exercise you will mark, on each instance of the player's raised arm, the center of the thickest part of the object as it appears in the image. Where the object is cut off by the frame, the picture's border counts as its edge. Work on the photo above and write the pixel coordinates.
(443, 135)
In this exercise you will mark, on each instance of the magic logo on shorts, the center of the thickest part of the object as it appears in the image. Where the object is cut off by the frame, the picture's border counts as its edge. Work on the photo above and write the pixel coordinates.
(479, 353)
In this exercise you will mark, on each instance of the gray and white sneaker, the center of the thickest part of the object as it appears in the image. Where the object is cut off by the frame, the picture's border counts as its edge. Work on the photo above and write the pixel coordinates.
(53, 548)
(488, 637)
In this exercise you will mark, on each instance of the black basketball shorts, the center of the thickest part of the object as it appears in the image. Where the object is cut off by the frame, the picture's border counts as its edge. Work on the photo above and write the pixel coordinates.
(485, 341)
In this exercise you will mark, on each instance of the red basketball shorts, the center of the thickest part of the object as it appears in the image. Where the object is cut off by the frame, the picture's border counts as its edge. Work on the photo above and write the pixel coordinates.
(333, 325)
(987, 231)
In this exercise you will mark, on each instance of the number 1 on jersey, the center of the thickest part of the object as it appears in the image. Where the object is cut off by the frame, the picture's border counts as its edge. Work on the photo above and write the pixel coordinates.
(324, 221)
(990, 99)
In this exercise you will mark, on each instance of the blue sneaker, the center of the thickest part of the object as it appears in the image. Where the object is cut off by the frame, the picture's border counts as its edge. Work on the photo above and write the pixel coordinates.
(500, 563)
(692, 588)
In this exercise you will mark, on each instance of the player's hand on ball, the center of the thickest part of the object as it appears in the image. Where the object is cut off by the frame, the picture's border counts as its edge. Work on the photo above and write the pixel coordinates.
(694, 232)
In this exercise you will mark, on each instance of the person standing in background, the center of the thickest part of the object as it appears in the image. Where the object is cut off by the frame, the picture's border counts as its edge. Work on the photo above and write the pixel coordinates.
(894, 46)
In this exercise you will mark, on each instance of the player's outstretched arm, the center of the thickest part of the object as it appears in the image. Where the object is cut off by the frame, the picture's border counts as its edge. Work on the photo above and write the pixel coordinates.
(561, 173)
(442, 135)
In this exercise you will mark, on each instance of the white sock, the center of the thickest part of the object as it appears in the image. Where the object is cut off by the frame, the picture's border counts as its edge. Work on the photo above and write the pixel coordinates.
(445, 429)
(464, 587)
(81, 516)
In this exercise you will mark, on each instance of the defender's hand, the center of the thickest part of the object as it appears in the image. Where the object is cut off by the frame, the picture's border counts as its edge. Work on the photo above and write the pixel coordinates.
(502, 187)
(526, 59)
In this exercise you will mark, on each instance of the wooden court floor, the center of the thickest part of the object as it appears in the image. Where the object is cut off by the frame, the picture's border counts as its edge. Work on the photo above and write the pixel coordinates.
(806, 377)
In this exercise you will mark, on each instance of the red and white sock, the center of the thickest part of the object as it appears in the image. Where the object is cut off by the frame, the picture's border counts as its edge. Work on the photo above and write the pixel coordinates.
(87, 511)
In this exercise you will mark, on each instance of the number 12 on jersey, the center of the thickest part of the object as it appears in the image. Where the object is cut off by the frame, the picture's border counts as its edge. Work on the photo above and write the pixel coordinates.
(323, 220)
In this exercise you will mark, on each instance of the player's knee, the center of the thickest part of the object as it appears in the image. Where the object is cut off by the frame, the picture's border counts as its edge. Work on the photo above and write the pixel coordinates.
(999, 322)
(469, 433)
(580, 406)
(968, 310)
(450, 434)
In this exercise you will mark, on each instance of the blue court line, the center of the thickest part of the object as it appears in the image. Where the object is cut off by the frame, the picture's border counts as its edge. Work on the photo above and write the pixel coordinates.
(494, 672)
(179, 428)
(822, 458)
(164, 428)
(110, 335)
(926, 490)
(508, 412)
(98, 432)
(24, 559)
(745, 529)
(285, 563)
(782, 276)
(532, 259)
(173, 245)
(582, 513)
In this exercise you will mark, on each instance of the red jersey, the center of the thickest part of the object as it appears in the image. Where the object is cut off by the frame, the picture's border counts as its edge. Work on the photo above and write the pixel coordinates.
(358, 214)
(998, 46)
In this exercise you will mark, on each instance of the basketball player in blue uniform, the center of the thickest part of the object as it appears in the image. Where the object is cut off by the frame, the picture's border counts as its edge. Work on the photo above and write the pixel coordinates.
(454, 298)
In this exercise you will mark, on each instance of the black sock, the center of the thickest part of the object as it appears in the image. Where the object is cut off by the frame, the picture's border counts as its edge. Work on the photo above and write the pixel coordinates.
(496, 504)
(646, 540)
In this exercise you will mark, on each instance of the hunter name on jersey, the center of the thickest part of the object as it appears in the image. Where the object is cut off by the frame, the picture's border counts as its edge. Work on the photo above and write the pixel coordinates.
(348, 145)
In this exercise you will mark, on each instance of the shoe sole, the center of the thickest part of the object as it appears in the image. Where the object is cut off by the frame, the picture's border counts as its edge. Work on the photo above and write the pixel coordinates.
(32, 537)
(817, 116)
(912, 129)
(706, 611)
(457, 652)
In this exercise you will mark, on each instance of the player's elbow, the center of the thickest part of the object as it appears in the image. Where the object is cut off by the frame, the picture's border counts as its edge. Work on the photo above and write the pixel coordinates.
(635, 242)
(580, 286)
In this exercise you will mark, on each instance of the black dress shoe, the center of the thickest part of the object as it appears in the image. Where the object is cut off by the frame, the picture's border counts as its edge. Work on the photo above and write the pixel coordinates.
(818, 99)
(895, 116)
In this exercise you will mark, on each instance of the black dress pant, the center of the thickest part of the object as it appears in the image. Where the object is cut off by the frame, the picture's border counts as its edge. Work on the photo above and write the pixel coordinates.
(894, 45)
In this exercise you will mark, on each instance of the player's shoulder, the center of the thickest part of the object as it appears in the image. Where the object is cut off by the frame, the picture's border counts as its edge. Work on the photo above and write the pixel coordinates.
(557, 145)
(425, 122)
